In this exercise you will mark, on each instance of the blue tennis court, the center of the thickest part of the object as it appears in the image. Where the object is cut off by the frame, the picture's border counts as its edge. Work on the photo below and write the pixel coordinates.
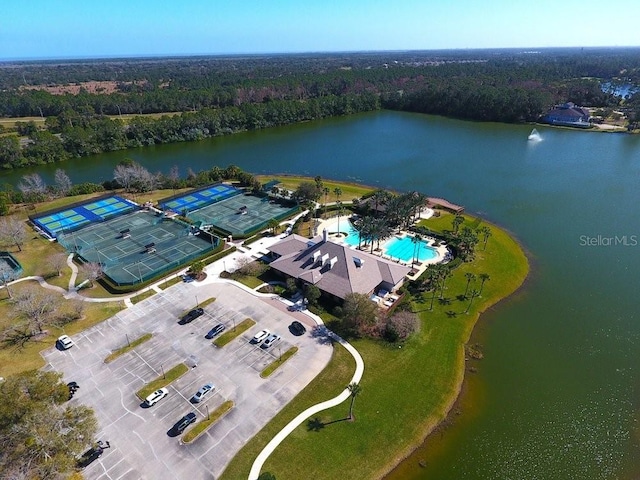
(199, 198)
(78, 216)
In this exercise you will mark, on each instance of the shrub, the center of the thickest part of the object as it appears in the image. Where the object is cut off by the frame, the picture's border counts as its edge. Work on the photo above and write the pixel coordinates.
(400, 326)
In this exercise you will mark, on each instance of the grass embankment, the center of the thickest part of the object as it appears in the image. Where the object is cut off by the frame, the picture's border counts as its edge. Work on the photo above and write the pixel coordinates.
(127, 348)
(228, 336)
(406, 391)
(247, 280)
(203, 425)
(169, 377)
(170, 282)
(349, 190)
(272, 367)
(329, 383)
(142, 296)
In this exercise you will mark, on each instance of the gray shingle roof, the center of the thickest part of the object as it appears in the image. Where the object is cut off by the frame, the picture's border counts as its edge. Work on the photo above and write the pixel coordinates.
(353, 271)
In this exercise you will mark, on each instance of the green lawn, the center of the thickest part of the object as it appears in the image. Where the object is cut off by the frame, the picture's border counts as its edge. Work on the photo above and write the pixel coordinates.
(406, 391)
(168, 283)
(15, 360)
(349, 190)
(329, 383)
(141, 296)
(249, 281)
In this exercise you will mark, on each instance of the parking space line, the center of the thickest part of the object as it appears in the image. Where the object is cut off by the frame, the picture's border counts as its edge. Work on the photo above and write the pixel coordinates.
(145, 362)
(149, 444)
(125, 473)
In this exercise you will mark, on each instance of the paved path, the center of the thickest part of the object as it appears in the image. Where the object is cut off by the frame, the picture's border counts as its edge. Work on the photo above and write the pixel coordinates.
(296, 422)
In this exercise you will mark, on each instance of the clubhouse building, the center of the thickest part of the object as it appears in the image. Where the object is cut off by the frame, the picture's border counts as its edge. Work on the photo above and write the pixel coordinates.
(336, 269)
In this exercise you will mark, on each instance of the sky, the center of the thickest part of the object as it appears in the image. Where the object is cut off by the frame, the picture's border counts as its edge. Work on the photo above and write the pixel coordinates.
(105, 28)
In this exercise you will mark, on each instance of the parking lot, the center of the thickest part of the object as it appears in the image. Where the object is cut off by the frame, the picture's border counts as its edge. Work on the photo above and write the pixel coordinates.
(141, 445)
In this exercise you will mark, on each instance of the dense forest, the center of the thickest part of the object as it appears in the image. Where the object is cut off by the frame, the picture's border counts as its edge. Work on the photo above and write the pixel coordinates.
(84, 101)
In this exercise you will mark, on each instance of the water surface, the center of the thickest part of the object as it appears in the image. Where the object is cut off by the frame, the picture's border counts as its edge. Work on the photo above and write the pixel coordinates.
(556, 396)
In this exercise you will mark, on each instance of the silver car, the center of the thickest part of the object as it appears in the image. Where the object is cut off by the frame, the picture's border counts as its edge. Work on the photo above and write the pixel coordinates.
(200, 394)
(271, 339)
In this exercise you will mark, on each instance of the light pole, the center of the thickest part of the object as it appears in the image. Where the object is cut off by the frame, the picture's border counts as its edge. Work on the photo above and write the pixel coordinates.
(127, 335)
(234, 323)
(207, 407)
(280, 352)
(162, 368)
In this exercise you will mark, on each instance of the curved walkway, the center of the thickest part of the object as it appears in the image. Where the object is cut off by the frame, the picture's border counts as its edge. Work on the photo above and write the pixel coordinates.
(296, 422)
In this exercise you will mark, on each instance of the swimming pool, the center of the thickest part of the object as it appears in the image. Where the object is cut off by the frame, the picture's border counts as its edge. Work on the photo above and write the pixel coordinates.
(405, 250)
(397, 248)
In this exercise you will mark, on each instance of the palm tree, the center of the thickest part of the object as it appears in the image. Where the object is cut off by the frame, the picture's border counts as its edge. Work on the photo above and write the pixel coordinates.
(432, 275)
(338, 191)
(456, 222)
(273, 225)
(354, 389)
(416, 239)
(483, 278)
(326, 191)
(486, 232)
(419, 201)
(470, 277)
(339, 205)
(379, 197)
(445, 273)
(381, 231)
(474, 294)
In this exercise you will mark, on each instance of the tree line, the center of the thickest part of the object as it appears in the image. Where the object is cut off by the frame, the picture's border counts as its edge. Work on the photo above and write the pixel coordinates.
(81, 133)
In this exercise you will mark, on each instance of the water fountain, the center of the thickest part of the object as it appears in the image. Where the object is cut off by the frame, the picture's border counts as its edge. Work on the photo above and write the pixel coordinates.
(535, 136)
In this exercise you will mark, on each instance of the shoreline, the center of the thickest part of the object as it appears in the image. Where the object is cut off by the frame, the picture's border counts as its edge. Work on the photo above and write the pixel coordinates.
(432, 427)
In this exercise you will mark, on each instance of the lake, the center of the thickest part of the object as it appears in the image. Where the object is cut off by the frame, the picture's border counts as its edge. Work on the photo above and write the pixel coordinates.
(557, 394)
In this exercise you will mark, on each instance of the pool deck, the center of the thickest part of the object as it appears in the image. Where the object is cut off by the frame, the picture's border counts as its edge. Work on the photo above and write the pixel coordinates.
(418, 268)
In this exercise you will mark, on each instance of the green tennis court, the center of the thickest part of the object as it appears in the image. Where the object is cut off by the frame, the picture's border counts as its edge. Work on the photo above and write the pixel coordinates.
(138, 246)
(242, 214)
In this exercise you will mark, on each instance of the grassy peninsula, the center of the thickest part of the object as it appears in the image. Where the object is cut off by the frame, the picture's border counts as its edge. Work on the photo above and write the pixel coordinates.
(406, 392)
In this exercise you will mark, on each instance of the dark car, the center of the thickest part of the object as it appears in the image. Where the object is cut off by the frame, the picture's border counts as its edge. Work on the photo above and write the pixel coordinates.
(191, 316)
(297, 328)
(185, 421)
(73, 388)
(219, 328)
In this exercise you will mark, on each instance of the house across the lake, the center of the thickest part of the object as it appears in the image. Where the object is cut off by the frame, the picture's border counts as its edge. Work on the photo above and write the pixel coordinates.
(334, 268)
(568, 115)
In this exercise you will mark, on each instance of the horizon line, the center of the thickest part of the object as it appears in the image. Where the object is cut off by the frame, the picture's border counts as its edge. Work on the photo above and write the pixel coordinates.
(134, 56)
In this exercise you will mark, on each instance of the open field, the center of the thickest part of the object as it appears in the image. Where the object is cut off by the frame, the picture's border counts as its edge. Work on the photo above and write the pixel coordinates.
(10, 123)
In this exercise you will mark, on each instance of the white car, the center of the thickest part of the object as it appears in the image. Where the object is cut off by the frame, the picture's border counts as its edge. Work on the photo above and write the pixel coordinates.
(156, 396)
(65, 342)
(271, 339)
(200, 394)
(260, 336)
